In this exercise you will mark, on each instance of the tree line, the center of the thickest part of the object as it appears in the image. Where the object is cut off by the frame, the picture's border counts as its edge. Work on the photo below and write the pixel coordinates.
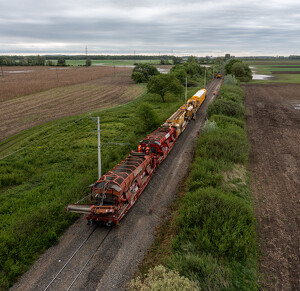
(36, 61)
(174, 81)
(22, 61)
(190, 72)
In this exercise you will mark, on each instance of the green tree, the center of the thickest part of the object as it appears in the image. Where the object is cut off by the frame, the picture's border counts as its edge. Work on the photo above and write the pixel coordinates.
(61, 62)
(164, 83)
(164, 62)
(193, 69)
(88, 62)
(239, 69)
(49, 63)
(148, 118)
(180, 73)
(138, 77)
(39, 61)
(142, 72)
(177, 60)
(192, 59)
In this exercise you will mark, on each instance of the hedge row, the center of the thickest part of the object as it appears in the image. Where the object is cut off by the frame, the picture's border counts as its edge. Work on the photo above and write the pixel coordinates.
(215, 244)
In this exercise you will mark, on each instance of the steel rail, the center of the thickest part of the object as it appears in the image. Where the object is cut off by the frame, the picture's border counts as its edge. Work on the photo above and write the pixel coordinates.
(81, 270)
(73, 255)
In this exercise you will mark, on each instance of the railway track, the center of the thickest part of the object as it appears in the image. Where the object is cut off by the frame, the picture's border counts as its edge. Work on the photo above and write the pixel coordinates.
(104, 258)
(75, 265)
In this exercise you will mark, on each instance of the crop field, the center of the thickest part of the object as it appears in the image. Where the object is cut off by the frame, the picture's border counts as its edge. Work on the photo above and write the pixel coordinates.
(285, 72)
(273, 119)
(35, 97)
(20, 81)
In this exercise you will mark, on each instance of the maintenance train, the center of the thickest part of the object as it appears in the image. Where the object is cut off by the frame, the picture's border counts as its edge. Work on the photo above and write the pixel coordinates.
(115, 192)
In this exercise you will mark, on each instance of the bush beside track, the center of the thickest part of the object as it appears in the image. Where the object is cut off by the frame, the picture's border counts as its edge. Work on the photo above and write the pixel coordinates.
(210, 237)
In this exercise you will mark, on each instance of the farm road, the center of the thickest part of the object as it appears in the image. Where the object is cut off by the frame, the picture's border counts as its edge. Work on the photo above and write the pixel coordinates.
(273, 125)
(114, 255)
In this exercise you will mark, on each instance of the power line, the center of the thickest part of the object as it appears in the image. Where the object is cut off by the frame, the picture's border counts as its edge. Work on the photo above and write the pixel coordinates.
(2, 158)
(61, 128)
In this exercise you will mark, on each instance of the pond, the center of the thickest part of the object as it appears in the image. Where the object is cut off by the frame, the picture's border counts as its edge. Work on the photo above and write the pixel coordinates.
(260, 76)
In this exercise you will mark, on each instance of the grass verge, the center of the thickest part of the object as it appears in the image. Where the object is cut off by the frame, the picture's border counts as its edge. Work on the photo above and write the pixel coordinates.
(210, 235)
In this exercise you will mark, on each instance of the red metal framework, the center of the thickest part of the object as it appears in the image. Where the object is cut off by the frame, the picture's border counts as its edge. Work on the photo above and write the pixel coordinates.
(115, 192)
(159, 143)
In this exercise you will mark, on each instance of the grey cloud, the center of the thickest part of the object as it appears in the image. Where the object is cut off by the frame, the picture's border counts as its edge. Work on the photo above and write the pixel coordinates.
(124, 26)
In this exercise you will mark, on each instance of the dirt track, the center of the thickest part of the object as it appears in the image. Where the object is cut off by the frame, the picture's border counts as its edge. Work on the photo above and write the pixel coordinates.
(112, 263)
(273, 125)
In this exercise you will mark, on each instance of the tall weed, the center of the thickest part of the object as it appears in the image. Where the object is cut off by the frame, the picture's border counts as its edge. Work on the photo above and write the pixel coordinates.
(224, 144)
(226, 107)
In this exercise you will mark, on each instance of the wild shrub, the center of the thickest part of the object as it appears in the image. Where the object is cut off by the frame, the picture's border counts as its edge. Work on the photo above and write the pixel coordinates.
(232, 97)
(210, 272)
(224, 144)
(148, 118)
(216, 223)
(223, 121)
(232, 89)
(160, 278)
(226, 107)
(209, 126)
(232, 93)
(138, 77)
(11, 179)
(142, 72)
(230, 80)
(204, 173)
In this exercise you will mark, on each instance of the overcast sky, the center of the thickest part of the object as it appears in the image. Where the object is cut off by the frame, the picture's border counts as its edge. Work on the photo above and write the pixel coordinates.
(258, 27)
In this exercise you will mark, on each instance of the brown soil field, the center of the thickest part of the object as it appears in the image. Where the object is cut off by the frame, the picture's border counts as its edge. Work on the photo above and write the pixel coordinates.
(289, 67)
(285, 72)
(20, 81)
(84, 90)
(273, 126)
(291, 62)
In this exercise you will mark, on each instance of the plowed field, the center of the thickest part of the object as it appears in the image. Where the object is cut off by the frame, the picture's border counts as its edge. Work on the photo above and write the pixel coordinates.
(57, 93)
(273, 124)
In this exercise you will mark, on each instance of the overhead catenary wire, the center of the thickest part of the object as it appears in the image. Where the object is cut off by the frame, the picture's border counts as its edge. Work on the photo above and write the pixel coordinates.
(61, 128)
(36, 141)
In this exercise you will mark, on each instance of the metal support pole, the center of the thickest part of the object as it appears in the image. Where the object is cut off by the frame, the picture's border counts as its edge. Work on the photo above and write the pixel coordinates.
(185, 90)
(204, 78)
(99, 148)
(99, 145)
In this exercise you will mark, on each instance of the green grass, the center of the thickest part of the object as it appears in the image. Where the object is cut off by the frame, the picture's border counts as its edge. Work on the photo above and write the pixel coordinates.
(52, 167)
(273, 62)
(266, 68)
